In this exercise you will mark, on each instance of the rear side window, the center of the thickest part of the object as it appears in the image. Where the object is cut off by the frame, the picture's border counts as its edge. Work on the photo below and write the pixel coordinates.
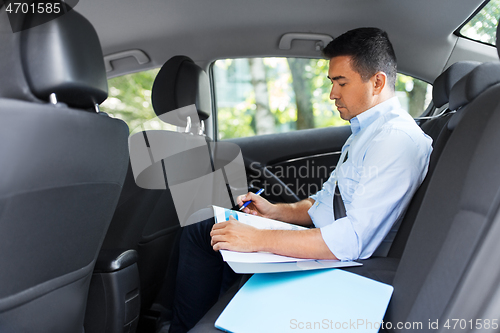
(257, 96)
(130, 100)
(482, 27)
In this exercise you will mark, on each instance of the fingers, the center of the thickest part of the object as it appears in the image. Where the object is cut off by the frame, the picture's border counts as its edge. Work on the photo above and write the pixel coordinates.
(219, 240)
(220, 225)
(250, 196)
(221, 246)
(216, 239)
(250, 211)
(218, 234)
(240, 200)
(219, 228)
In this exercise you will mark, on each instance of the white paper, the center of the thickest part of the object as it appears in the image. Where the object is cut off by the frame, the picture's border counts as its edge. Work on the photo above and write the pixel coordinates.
(262, 262)
(257, 257)
(250, 268)
(222, 214)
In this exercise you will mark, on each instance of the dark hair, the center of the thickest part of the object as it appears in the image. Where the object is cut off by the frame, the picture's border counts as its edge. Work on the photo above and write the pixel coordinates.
(371, 52)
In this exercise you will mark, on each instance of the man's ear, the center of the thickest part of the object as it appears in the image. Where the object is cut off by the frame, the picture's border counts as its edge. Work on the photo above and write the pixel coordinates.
(379, 81)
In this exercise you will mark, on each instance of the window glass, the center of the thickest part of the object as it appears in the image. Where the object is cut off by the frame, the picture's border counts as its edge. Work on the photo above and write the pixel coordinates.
(414, 95)
(483, 26)
(274, 95)
(130, 100)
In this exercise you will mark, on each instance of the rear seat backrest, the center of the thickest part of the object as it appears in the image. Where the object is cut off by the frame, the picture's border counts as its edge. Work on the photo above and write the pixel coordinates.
(477, 295)
(440, 95)
(456, 204)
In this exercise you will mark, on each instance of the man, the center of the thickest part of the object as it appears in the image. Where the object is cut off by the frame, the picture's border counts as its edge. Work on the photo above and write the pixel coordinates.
(382, 164)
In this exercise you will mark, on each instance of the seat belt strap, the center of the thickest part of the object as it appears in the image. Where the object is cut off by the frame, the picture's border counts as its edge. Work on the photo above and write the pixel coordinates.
(338, 204)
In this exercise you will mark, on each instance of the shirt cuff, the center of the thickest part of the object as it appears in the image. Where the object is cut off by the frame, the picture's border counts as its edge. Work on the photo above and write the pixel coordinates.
(341, 239)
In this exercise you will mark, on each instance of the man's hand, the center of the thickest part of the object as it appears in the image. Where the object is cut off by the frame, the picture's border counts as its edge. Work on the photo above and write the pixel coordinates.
(295, 213)
(235, 236)
(259, 205)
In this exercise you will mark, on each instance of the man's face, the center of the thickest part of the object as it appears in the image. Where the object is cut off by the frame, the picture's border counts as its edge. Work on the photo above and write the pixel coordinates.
(351, 94)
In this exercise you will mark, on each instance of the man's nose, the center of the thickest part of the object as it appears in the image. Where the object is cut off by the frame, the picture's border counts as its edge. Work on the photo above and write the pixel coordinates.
(334, 93)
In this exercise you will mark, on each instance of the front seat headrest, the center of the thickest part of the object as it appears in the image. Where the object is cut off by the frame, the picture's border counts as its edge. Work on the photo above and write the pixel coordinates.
(64, 57)
(444, 82)
(470, 86)
(180, 83)
(15, 87)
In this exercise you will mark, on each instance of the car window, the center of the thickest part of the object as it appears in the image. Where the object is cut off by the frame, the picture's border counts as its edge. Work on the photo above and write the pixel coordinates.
(482, 27)
(257, 96)
(414, 95)
(130, 100)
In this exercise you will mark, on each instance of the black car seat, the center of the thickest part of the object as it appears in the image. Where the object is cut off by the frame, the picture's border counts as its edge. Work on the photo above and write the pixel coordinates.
(63, 166)
(146, 219)
(441, 89)
(440, 131)
(393, 245)
(455, 209)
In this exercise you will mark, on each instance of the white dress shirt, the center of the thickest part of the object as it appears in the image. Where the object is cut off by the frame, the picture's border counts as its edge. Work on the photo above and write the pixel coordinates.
(387, 161)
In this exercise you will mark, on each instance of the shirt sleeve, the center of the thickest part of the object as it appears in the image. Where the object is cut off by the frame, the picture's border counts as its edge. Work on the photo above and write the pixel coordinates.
(376, 194)
(325, 189)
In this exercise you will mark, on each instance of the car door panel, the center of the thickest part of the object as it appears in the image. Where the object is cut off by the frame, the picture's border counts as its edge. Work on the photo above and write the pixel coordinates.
(292, 166)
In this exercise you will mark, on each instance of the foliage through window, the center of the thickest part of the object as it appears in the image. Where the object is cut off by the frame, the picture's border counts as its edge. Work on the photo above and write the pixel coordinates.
(273, 95)
(130, 100)
(483, 26)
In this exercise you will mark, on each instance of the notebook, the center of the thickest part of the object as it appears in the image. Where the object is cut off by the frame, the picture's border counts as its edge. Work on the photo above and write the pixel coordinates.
(320, 300)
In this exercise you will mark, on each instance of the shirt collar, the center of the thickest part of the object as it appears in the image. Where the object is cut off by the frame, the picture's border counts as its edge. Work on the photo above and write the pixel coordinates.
(366, 118)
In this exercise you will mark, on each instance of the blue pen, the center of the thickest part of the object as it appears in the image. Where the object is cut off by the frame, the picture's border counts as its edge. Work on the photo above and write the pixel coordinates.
(259, 192)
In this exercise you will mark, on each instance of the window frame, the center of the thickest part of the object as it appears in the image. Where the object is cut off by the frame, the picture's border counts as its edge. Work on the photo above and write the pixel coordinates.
(459, 34)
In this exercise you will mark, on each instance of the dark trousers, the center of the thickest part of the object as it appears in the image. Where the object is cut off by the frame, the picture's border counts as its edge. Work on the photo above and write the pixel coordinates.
(202, 276)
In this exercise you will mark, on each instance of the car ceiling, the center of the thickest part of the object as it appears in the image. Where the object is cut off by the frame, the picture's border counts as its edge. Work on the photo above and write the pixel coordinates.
(421, 31)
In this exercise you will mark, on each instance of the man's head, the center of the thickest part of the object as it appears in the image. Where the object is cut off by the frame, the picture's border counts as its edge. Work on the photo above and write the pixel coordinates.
(362, 70)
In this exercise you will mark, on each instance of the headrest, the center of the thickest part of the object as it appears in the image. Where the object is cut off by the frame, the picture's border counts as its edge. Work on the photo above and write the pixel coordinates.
(13, 85)
(444, 82)
(180, 83)
(64, 56)
(470, 86)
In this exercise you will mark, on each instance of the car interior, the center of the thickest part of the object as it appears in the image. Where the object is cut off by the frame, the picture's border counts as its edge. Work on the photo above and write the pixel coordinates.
(90, 245)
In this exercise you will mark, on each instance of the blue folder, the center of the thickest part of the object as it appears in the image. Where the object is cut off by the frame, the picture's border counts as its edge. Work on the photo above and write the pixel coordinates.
(309, 301)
